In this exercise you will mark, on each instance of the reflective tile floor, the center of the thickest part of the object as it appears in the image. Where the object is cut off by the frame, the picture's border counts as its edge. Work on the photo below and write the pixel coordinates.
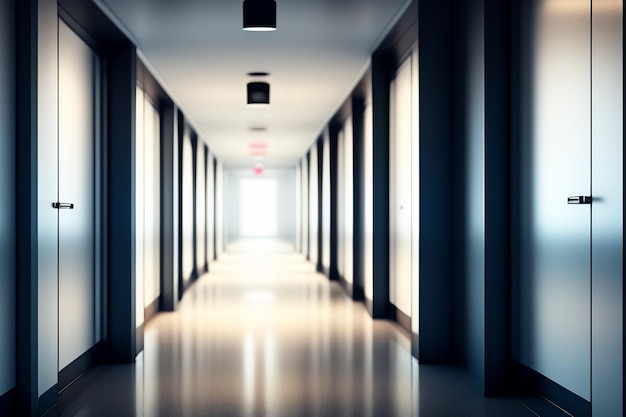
(264, 335)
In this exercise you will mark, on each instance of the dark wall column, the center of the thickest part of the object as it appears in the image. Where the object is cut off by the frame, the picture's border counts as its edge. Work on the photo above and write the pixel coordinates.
(194, 193)
(497, 197)
(178, 156)
(121, 187)
(333, 143)
(205, 195)
(380, 105)
(26, 197)
(320, 206)
(169, 207)
(358, 108)
(435, 132)
(307, 157)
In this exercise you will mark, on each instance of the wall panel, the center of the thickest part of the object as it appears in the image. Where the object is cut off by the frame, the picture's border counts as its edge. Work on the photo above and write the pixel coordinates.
(219, 208)
(188, 208)
(552, 321)
(326, 202)
(313, 206)
(368, 202)
(607, 235)
(305, 206)
(348, 201)
(400, 187)
(341, 217)
(152, 195)
(210, 209)
(140, 207)
(200, 208)
(7, 193)
(47, 192)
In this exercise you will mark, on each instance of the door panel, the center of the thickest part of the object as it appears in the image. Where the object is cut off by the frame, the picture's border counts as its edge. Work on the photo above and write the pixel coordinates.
(77, 138)
(348, 196)
(7, 193)
(200, 209)
(313, 208)
(552, 325)
(608, 208)
(400, 188)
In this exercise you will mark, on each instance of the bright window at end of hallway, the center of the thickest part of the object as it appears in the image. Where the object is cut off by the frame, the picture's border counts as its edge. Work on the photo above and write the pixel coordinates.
(258, 207)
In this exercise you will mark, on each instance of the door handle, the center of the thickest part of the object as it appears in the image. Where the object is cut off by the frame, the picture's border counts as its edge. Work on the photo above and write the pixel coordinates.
(579, 199)
(61, 206)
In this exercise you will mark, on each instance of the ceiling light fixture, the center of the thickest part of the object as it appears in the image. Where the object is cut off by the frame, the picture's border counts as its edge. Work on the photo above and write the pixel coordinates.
(259, 15)
(258, 94)
(258, 74)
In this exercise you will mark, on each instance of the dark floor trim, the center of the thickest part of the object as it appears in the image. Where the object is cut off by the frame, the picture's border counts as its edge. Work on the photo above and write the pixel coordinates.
(76, 377)
(8, 403)
(49, 402)
(527, 381)
(139, 337)
(358, 293)
(348, 288)
(369, 305)
(151, 311)
(403, 319)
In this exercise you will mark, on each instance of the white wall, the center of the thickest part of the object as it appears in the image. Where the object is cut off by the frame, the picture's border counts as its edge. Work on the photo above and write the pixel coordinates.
(348, 201)
(368, 197)
(326, 201)
(139, 208)
(313, 208)
(187, 168)
(219, 208)
(260, 206)
(152, 202)
(298, 185)
(210, 209)
(200, 208)
(305, 206)
(400, 188)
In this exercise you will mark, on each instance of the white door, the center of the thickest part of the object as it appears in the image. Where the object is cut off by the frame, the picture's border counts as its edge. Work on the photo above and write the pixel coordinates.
(79, 295)
(401, 119)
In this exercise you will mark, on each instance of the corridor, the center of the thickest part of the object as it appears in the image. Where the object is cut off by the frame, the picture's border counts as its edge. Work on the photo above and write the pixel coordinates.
(263, 334)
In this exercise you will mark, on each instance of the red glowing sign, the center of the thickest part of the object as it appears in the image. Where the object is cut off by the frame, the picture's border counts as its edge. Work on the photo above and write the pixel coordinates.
(257, 149)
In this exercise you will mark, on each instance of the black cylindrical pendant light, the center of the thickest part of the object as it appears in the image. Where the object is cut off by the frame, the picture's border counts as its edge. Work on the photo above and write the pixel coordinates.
(258, 93)
(259, 15)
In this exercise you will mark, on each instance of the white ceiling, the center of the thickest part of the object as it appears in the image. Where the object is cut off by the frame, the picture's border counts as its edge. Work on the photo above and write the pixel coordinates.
(201, 56)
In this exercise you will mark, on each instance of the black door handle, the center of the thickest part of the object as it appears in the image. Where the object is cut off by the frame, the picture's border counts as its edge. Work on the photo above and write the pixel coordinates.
(61, 206)
(579, 199)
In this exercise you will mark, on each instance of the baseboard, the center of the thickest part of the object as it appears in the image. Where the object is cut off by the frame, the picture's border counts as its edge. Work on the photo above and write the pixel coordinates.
(527, 381)
(49, 402)
(358, 293)
(8, 403)
(151, 311)
(78, 375)
(369, 306)
(348, 288)
(399, 316)
(415, 345)
(139, 339)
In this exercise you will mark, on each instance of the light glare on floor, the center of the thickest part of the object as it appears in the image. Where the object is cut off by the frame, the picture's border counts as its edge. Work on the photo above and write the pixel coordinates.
(259, 297)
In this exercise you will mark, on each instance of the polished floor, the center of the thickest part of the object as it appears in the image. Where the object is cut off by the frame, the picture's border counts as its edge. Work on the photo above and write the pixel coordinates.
(264, 335)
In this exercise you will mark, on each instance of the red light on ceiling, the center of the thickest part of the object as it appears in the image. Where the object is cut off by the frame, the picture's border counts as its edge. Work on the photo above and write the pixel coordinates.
(257, 149)
(258, 170)
(257, 145)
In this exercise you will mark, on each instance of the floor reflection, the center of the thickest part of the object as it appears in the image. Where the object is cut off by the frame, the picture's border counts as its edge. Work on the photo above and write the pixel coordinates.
(264, 335)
